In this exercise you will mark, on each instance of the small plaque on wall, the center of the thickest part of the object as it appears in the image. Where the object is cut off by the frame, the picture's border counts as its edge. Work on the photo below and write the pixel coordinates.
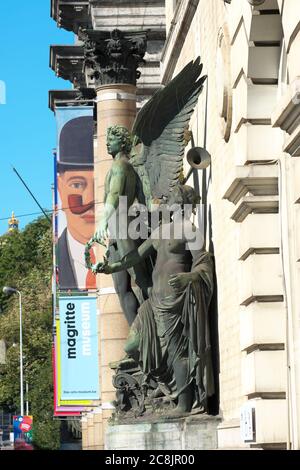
(247, 419)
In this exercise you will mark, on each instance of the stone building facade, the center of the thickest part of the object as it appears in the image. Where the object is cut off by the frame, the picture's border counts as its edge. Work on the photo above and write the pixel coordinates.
(248, 118)
(251, 130)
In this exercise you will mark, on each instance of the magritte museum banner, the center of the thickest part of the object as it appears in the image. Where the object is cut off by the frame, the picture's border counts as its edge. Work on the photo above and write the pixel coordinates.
(78, 349)
(75, 352)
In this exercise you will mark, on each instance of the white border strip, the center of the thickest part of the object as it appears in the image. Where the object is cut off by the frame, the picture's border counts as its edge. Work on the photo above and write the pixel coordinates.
(116, 96)
(107, 290)
(107, 406)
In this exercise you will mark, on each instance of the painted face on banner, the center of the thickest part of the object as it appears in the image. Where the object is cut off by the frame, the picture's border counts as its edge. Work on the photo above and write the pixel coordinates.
(76, 190)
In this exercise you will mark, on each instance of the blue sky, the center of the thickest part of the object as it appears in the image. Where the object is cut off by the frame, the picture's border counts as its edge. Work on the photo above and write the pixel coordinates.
(27, 126)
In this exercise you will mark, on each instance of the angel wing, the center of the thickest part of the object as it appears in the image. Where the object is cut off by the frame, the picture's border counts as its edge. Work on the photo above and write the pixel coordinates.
(160, 126)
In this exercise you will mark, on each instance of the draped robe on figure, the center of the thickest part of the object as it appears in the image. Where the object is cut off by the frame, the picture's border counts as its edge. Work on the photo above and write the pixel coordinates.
(183, 323)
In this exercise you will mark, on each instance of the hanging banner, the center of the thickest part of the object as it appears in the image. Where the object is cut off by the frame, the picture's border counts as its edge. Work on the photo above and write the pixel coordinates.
(74, 199)
(22, 426)
(59, 409)
(78, 368)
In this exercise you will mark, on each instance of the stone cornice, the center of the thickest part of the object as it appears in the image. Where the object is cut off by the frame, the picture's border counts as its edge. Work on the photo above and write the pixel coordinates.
(67, 63)
(79, 97)
(259, 180)
(71, 14)
(292, 143)
(257, 205)
(287, 117)
(287, 113)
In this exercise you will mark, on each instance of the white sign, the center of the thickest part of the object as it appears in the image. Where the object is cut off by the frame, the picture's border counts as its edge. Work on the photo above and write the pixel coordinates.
(247, 421)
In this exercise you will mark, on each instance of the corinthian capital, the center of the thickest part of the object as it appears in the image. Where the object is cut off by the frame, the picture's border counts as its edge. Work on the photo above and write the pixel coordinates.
(112, 57)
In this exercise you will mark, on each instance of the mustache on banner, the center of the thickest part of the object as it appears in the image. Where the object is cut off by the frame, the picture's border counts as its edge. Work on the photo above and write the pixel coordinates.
(76, 206)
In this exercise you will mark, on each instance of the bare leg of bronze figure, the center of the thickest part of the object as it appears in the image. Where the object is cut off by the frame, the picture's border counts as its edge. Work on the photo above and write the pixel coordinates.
(122, 284)
(126, 295)
(132, 344)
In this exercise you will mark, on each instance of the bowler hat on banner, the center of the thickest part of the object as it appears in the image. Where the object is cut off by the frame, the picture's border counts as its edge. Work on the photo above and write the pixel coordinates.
(76, 144)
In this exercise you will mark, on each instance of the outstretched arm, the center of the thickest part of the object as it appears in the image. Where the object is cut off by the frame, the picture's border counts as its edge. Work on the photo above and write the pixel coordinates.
(130, 260)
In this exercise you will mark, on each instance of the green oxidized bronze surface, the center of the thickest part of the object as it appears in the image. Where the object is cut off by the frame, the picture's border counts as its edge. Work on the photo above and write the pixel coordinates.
(169, 338)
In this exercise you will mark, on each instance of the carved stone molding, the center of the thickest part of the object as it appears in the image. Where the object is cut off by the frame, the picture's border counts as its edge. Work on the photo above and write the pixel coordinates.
(287, 117)
(292, 144)
(255, 205)
(255, 179)
(253, 189)
(287, 113)
(111, 58)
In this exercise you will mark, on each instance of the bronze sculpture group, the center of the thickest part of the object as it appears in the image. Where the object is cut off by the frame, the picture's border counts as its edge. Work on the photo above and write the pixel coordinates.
(165, 282)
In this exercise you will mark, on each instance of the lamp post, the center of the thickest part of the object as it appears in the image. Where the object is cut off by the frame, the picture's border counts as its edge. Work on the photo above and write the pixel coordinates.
(10, 290)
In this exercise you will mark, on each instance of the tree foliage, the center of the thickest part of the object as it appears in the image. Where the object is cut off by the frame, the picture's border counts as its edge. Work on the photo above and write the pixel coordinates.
(26, 264)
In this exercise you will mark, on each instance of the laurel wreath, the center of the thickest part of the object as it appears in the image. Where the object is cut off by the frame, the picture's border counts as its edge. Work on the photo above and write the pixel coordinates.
(87, 255)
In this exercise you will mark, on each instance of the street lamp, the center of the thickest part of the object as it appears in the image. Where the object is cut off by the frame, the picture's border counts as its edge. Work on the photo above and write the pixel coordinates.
(10, 290)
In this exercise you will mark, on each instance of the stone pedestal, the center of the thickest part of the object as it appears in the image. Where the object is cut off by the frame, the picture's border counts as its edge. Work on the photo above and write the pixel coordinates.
(192, 433)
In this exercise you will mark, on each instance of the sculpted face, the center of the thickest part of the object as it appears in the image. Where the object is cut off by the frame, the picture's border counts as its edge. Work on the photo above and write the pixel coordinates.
(114, 144)
(76, 190)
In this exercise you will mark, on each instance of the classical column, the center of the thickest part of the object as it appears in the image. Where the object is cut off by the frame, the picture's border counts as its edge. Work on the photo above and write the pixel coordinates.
(111, 62)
